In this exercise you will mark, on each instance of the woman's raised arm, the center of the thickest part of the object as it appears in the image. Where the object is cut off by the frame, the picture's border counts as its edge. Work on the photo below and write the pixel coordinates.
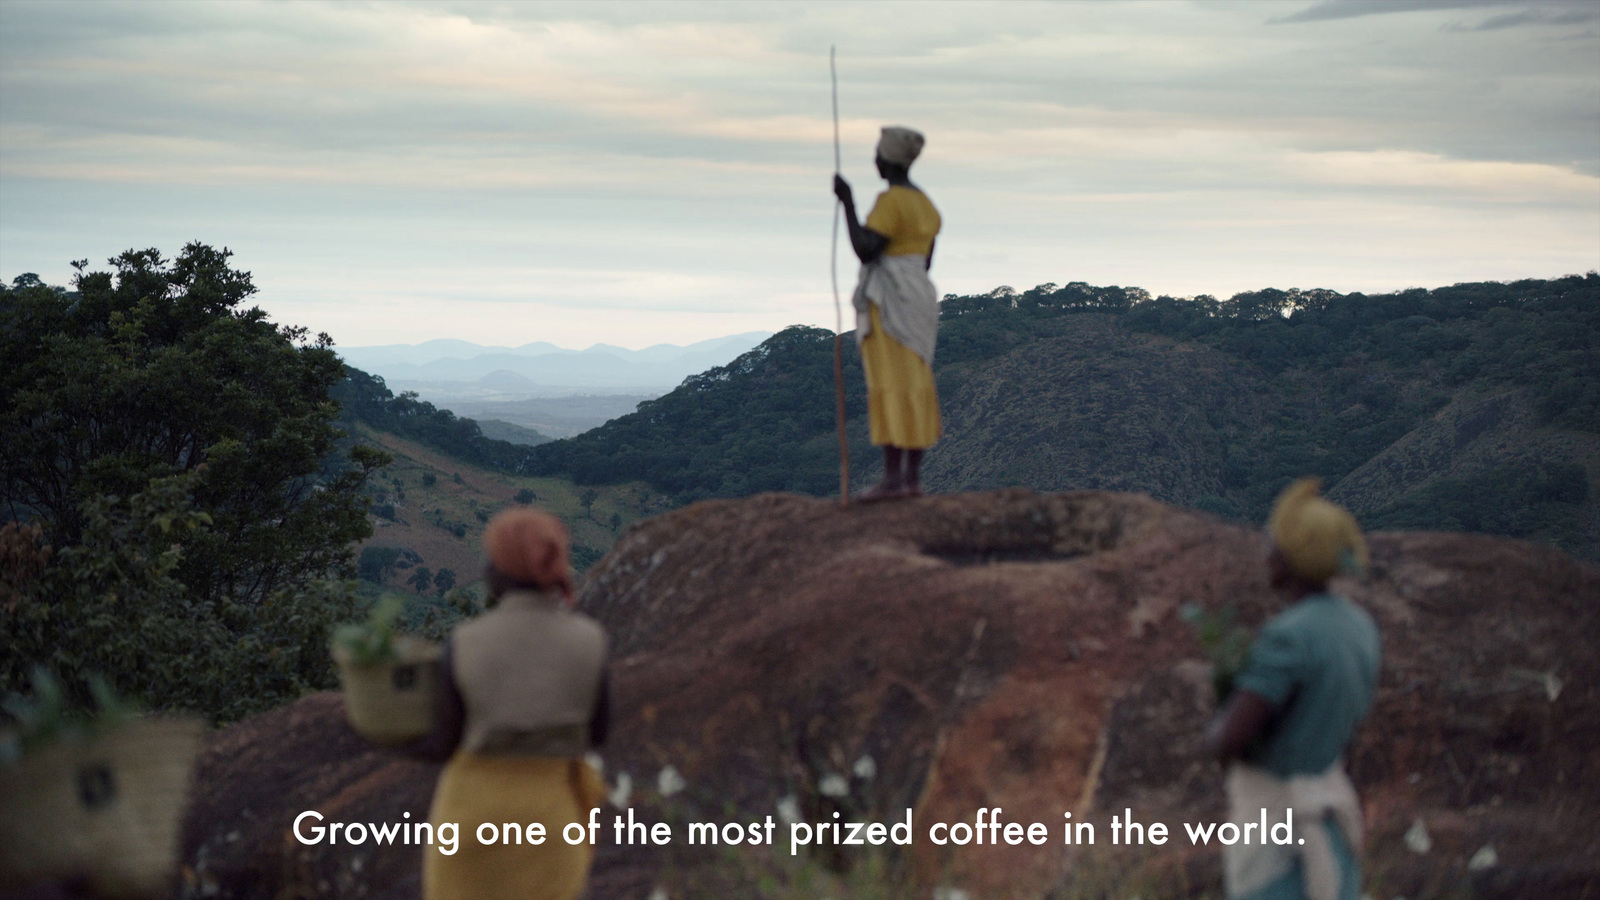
(867, 244)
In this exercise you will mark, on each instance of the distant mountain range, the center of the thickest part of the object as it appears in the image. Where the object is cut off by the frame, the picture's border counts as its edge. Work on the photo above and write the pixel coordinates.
(449, 372)
(545, 417)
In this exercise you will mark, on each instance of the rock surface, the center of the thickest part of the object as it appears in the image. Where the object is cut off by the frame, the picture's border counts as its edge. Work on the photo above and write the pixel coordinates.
(1005, 649)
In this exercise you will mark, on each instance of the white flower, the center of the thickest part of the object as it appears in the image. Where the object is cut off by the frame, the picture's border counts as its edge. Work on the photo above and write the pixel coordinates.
(669, 782)
(1485, 858)
(865, 768)
(622, 791)
(950, 893)
(1552, 686)
(1417, 837)
(659, 893)
(833, 785)
(789, 809)
(595, 761)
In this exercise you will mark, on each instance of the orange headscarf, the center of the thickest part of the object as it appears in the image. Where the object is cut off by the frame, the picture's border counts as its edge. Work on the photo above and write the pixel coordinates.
(529, 546)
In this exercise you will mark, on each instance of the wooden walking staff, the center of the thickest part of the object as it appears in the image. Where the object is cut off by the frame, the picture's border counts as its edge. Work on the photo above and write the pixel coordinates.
(838, 310)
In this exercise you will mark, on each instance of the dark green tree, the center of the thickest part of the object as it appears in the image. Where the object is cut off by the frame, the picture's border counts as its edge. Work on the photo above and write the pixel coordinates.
(444, 580)
(375, 563)
(421, 579)
(143, 374)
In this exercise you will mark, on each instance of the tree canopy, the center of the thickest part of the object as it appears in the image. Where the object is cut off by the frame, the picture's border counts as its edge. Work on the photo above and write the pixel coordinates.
(154, 423)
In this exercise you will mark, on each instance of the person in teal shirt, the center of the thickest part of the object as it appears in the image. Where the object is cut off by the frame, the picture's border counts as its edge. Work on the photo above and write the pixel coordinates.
(1307, 683)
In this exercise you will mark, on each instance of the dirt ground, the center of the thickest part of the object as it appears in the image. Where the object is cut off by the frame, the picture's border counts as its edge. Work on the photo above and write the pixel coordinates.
(972, 651)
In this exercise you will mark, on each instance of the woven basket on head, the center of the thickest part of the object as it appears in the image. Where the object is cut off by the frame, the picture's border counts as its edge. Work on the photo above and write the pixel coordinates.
(105, 808)
(391, 702)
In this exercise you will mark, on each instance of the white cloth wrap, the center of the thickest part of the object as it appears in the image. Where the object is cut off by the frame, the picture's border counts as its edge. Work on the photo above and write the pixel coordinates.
(1247, 868)
(907, 301)
(901, 145)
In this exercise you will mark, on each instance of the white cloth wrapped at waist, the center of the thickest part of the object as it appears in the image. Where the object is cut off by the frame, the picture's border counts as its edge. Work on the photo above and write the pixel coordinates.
(1247, 868)
(908, 303)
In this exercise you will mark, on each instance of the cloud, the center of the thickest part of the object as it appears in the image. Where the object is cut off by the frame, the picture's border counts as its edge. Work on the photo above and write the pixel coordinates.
(1547, 12)
(673, 157)
(1526, 17)
(1327, 10)
(1476, 179)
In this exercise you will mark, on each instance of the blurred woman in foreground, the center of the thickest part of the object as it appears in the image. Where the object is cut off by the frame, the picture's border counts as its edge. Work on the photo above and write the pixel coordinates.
(523, 696)
(1283, 733)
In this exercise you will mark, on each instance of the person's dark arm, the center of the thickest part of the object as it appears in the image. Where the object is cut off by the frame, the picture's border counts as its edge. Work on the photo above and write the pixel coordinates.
(868, 244)
(600, 722)
(1238, 725)
(449, 717)
(929, 264)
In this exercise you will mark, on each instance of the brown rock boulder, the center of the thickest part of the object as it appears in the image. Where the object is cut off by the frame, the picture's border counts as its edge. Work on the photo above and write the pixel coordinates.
(1006, 649)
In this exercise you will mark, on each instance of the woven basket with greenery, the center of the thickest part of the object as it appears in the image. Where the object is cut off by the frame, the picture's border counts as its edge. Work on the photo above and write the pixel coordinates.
(390, 680)
(99, 800)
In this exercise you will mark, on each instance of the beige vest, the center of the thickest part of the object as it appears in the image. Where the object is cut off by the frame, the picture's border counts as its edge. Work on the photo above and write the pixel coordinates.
(528, 672)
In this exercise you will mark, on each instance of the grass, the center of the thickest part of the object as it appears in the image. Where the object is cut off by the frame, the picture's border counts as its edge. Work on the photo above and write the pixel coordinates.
(440, 508)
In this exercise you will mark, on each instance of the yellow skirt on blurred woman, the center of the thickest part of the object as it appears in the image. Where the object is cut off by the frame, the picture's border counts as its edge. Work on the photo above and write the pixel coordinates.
(474, 789)
(902, 400)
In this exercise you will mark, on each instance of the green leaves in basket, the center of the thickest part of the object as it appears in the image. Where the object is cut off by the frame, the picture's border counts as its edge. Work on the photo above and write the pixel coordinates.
(371, 642)
(1224, 640)
(46, 716)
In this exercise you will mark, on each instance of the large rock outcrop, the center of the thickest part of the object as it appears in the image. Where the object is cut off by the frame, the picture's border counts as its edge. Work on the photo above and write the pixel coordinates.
(1006, 649)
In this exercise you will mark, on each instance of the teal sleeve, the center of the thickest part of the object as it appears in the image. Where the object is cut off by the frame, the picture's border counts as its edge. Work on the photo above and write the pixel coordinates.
(1271, 670)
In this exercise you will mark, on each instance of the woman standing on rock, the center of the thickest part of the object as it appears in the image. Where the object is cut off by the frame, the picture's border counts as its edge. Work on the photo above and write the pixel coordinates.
(522, 697)
(1308, 681)
(897, 314)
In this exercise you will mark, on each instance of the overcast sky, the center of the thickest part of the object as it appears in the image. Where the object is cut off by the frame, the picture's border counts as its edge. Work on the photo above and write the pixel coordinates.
(658, 172)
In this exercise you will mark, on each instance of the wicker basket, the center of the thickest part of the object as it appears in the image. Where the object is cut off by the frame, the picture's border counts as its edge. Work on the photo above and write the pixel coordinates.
(391, 702)
(106, 808)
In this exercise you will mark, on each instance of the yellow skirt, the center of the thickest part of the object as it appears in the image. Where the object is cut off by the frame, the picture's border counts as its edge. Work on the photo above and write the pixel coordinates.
(902, 400)
(474, 789)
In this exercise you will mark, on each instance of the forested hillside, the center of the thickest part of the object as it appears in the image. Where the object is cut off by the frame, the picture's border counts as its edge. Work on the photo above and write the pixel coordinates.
(172, 451)
(1494, 388)
(190, 491)
(366, 399)
(764, 422)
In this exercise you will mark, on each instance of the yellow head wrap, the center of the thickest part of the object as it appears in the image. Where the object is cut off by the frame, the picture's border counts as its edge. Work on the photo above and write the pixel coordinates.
(1316, 538)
